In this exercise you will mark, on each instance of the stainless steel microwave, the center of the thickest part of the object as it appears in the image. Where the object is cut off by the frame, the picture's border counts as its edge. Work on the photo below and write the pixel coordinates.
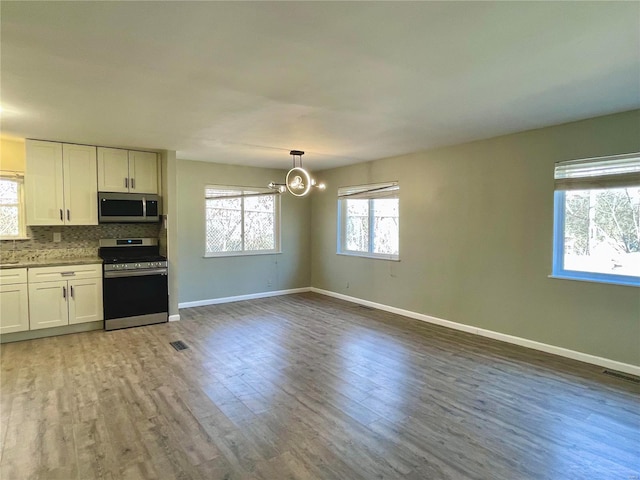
(128, 207)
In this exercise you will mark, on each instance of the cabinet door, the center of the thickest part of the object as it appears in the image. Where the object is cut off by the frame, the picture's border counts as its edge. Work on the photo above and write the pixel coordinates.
(44, 185)
(113, 170)
(48, 305)
(80, 184)
(85, 301)
(14, 308)
(143, 172)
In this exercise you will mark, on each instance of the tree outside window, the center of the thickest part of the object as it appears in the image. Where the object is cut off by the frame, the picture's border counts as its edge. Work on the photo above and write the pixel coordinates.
(241, 221)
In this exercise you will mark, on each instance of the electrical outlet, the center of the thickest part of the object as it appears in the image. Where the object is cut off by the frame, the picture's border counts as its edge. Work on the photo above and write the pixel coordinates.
(57, 237)
(269, 283)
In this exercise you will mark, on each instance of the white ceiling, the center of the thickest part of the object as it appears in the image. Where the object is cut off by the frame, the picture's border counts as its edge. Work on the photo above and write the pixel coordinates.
(244, 83)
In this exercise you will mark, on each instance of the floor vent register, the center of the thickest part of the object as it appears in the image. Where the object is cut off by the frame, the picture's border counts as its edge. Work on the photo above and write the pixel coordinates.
(623, 376)
(179, 345)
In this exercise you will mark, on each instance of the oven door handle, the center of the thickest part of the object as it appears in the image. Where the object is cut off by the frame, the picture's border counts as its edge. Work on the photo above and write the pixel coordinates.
(134, 273)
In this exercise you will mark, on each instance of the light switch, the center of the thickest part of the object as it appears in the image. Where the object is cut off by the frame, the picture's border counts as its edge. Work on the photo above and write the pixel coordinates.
(57, 237)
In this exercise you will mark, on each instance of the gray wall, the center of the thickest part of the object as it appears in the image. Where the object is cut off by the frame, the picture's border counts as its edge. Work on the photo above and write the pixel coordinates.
(209, 278)
(476, 224)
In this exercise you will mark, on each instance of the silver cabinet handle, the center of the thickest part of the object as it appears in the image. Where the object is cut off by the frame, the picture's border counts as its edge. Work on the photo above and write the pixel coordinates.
(68, 214)
(61, 217)
(64, 292)
(71, 287)
(133, 183)
(68, 274)
(126, 183)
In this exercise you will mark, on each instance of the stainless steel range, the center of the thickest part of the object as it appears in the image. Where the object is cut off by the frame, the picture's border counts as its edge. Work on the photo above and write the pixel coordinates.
(135, 289)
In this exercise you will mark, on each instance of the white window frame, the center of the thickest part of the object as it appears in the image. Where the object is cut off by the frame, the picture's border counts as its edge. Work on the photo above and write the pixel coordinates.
(369, 192)
(242, 192)
(589, 174)
(22, 227)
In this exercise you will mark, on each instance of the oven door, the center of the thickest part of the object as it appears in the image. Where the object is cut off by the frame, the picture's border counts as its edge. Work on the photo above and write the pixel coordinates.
(135, 297)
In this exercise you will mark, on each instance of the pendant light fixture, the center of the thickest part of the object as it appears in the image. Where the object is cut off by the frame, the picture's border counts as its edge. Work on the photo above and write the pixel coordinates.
(298, 181)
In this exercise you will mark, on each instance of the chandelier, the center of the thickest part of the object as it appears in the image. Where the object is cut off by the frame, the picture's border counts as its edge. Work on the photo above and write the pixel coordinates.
(298, 181)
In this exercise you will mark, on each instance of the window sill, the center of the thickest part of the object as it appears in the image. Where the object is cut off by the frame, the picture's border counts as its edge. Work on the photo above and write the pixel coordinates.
(389, 258)
(240, 254)
(14, 238)
(596, 280)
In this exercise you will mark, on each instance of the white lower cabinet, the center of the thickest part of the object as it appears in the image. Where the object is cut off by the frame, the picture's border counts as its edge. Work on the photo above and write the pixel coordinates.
(14, 302)
(48, 305)
(67, 300)
(85, 301)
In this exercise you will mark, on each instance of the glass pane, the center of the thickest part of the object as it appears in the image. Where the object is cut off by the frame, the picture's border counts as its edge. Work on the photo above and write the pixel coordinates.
(8, 191)
(602, 231)
(259, 230)
(385, 226)
(9, 225)
(357, 225)
(224, 225)
(216, 192)
(261, 203)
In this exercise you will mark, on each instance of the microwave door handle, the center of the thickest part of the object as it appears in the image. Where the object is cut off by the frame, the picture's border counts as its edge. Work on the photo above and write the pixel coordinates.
(144, 207)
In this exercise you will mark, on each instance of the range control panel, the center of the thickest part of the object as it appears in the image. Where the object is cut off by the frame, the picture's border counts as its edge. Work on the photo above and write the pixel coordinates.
(134, 266)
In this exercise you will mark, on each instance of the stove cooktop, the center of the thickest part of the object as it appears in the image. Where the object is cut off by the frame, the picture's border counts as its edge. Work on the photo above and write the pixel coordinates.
(131, 253)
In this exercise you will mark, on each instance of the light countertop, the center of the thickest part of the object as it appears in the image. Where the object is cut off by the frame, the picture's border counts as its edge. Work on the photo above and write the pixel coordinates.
(50, 262)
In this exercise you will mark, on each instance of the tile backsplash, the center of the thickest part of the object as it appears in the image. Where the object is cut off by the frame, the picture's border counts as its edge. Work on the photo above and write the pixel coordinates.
(77, 241)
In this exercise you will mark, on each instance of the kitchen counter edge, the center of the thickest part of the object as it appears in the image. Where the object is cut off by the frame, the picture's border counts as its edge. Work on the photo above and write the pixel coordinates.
(51, 262)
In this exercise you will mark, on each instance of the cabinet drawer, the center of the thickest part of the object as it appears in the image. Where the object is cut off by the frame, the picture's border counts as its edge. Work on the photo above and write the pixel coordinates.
(67, 272)
(10, 276)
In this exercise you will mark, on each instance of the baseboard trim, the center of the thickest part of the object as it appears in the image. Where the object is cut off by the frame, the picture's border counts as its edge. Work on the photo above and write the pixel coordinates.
(239, 298)
(174, 318)
(503, 337)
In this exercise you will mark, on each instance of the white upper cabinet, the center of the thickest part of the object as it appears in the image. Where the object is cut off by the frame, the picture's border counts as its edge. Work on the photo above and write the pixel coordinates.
(113, 170)
(80, 185)
(127, 171)
(143, 172)
(61, 184)
(44, 183)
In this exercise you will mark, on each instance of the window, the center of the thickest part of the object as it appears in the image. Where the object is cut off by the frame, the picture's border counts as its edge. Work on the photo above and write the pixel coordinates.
(597, 219)
(12, 224)
(241, 221)
(368, 220)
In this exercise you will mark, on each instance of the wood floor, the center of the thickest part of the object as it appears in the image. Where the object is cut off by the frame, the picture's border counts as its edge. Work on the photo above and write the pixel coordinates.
(307, 387)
